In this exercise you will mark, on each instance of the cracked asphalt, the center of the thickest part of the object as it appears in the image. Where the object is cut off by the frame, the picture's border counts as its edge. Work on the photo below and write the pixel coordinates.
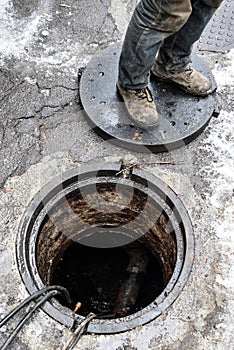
(43, 132)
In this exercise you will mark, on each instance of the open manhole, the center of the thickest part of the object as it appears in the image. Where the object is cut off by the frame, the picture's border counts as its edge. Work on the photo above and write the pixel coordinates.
(120, 242)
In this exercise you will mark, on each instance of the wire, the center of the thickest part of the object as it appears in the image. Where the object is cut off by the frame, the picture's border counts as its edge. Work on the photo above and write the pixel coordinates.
(32, 298)
(27, 317)
(78, 332)
(45, 294)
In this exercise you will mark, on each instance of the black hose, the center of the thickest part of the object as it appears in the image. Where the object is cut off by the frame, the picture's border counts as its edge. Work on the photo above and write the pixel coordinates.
(27, 317)
(33, 297)
(45, 294)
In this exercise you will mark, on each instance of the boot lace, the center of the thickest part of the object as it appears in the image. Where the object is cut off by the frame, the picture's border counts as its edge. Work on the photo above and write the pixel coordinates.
(144, 93)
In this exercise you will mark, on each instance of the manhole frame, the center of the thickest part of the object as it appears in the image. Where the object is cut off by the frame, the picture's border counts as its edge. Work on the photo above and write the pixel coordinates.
(101, 326)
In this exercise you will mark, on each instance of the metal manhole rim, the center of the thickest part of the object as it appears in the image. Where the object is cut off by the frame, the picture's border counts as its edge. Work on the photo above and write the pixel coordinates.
(105, 325)
(37, 279)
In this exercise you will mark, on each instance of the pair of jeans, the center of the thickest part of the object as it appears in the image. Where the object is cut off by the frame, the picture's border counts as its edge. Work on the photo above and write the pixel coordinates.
(168, 28)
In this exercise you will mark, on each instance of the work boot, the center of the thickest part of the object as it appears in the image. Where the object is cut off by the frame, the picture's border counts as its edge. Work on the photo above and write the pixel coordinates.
(189, 80)
(140, 106)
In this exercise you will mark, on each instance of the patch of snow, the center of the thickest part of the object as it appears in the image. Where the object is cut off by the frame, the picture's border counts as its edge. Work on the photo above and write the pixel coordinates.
(225, 76)
(16, 33)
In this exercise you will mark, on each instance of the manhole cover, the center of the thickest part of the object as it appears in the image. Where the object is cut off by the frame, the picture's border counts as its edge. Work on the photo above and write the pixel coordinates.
(123, 247)
(182, 117)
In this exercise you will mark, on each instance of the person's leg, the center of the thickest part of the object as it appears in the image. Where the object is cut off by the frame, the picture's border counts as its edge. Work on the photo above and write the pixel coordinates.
(175, 51)
(173, 59)
(151, 23)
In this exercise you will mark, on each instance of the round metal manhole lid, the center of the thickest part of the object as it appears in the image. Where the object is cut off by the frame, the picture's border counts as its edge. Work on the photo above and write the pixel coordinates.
(182, 117)
(96, 212)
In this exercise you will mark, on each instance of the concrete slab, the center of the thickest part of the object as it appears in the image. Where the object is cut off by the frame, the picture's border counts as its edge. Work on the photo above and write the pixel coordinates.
(43, 133)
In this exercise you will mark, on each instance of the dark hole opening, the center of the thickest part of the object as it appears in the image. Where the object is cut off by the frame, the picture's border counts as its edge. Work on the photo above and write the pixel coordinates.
(109, 282)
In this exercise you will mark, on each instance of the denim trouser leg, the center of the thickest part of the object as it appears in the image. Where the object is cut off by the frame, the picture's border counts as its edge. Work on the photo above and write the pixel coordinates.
(175, 51)
(151, 23)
